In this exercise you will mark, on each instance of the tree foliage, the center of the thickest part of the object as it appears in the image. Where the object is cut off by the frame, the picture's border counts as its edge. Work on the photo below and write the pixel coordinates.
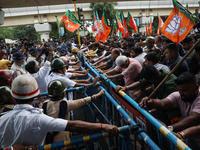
(25, 32)
(109, 8)
(6, 32)
(54, 30)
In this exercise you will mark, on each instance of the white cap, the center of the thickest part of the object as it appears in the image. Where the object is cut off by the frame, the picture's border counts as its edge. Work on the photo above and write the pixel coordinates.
(24, 87)
(121, 60)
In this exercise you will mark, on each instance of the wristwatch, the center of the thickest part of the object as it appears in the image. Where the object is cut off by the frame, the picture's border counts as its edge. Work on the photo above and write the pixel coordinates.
(170, 128)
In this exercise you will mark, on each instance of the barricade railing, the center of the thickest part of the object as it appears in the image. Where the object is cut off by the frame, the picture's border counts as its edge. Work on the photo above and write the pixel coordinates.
(161, 128)
(87, 138)
(129, 120)
(67, 90)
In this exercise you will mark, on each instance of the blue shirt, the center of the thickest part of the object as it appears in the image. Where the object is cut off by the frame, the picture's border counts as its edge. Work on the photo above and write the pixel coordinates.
(182, 68)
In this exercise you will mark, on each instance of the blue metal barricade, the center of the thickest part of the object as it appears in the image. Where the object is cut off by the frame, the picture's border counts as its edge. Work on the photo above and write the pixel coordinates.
(110, 110)
(160, 128)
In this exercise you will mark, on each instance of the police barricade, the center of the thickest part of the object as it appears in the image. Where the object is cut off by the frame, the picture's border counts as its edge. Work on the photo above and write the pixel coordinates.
(122, 142)
(159, 133)
(108, 111)
(88, 138)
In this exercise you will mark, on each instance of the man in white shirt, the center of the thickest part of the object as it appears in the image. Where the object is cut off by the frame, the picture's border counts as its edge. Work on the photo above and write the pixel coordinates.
(40, 73)
(28, 125)
(58, 67)
(18, 58)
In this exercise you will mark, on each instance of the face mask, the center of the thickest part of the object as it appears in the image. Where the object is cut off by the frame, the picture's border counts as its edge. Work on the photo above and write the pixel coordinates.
(19, 62)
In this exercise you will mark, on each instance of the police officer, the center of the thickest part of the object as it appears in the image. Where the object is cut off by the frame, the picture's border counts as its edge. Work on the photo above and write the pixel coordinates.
(58, 71)
(18, 58)
(6, 101)
(59, 107)
(28, 125)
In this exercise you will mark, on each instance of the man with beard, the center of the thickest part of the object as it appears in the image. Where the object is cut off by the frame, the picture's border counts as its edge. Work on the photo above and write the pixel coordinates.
(17, 66)
(186, 99)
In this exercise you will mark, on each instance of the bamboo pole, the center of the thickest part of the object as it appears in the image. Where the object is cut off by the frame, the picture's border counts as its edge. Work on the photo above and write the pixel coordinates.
(177, 65)
(79, 39)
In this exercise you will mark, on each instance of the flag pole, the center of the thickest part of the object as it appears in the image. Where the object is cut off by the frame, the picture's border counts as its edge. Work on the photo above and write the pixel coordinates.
(172, 71)
(79, 39)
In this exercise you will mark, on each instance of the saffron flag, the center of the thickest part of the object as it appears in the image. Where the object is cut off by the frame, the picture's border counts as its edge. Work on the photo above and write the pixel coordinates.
(150, 25)
(147, 30)
(71, 22)
(160, 24)
(124, 23)
(97, 26)
(119, 24)
(94, 16)
(131, 22)
(178, 24)
(106, 29)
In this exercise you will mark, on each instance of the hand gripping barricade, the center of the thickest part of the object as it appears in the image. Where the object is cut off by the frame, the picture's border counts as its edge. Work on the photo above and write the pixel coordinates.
(162, 131)
(110, 111)
(133, 128)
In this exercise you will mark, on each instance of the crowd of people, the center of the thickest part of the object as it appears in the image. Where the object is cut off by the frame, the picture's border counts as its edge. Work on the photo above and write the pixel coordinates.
(135, 64)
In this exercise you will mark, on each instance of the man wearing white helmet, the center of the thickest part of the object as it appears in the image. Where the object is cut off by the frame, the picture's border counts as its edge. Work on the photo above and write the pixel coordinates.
(28, 125)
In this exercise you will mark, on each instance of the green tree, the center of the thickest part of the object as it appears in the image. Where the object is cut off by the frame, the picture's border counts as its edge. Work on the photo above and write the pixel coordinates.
(54, 30)
(25, 32)
(109, 8)
(6, 32)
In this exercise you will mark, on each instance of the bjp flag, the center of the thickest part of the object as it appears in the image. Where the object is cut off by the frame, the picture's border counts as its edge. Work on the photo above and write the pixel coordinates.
(119, 24)
(71, 22)
(106, 28)
(178, 24)
(147, 30)
(131, 22)
(160, 25)
(150, 25)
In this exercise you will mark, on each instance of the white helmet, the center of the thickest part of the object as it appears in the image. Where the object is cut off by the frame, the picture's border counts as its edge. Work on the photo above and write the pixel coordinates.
(120, 60)
(24, 87)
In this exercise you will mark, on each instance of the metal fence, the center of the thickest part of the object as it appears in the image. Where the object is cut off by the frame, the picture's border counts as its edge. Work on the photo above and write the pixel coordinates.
(139, 129)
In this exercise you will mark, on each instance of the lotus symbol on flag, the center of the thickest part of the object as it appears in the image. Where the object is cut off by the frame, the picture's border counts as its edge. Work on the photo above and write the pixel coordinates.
(97, 28)
(174, 24)
(67, 21)
(101, 28)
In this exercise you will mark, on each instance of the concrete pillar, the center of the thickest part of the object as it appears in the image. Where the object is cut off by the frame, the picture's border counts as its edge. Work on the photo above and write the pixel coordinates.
(1, 17)
(43, 29)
